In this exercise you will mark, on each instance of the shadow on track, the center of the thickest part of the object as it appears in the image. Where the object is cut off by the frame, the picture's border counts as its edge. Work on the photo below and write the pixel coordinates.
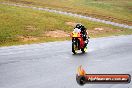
(80, 54)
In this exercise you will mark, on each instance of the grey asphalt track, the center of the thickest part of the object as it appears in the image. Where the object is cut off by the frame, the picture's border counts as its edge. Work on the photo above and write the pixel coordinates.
(52, 65)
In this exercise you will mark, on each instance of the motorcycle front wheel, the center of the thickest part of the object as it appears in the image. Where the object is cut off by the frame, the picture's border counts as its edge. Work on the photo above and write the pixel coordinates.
(74, 48)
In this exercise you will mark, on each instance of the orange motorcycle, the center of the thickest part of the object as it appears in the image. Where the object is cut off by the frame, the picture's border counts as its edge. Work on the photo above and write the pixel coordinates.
(77, 42)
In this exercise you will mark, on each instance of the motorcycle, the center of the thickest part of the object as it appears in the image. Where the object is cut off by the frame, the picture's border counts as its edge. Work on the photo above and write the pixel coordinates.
(77, 42)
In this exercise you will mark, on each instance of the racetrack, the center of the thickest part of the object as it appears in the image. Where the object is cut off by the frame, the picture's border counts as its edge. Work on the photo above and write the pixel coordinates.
(52, 65)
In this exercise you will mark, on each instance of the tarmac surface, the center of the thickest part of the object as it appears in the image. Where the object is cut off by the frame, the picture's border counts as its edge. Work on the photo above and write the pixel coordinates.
(52, 65)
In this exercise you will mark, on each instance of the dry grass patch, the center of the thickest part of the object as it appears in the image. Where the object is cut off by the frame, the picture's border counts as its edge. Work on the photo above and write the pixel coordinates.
(27, 38)
(30, 28)
(73, 24)
(56, 33)
(100, 31)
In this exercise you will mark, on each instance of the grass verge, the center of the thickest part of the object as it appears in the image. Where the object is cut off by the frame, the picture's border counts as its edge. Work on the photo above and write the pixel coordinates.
(114, 10)
(26, 26)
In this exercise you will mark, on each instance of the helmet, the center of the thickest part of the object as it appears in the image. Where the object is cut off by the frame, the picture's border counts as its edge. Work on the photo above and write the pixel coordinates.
(79, 25)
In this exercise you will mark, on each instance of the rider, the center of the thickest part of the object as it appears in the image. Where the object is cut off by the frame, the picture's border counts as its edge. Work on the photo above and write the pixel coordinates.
(83, 32)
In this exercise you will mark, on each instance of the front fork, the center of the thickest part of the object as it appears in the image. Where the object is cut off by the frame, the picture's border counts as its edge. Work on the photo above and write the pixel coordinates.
(76, 42)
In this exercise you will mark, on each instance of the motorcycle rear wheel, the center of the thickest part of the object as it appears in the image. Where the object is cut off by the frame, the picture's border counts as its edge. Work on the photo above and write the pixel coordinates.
(83, 51)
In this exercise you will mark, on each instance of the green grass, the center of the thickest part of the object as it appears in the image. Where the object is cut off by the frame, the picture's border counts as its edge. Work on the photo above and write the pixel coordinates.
(15, 20)
(115, 10)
